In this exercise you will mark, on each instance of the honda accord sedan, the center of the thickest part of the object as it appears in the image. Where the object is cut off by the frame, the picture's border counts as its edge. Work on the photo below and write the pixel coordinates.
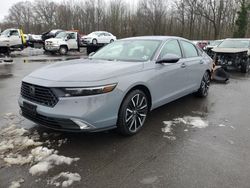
(117, 86)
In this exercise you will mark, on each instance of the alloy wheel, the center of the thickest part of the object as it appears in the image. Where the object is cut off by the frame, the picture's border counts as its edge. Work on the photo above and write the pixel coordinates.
(205, 83)
(136, 112)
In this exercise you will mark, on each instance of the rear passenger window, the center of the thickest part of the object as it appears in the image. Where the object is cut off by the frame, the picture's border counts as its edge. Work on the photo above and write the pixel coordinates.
(189, 49)
(171, 47)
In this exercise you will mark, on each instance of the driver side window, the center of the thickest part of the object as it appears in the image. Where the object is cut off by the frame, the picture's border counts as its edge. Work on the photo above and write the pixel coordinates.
(171, 47)
(14, 33)
(71, 36)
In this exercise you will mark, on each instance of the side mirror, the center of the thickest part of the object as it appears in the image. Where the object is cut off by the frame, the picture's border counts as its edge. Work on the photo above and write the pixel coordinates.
(91, 54)
(8, 35)
(169, 58)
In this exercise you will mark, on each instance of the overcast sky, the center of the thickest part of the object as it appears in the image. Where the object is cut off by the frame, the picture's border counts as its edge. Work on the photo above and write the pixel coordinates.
(6, 4)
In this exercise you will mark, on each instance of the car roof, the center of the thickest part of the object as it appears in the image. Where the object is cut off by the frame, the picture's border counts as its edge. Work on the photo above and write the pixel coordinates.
(162, 38)
(238, 39)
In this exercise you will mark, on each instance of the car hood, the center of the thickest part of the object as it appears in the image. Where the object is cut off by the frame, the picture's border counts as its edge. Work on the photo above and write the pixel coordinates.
(86, 70)
(4, 38)
(54, 40)
(230, 50)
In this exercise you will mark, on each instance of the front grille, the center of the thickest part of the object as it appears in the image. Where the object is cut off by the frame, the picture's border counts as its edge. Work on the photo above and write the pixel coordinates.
(55, 123)
(38, 94)
(49, 43)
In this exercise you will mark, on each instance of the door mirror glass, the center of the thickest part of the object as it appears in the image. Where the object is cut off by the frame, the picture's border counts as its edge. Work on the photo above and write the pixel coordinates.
(91, 54)
(169, 58)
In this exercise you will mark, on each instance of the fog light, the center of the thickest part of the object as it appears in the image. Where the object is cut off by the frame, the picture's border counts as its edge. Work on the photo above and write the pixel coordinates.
(82, 124)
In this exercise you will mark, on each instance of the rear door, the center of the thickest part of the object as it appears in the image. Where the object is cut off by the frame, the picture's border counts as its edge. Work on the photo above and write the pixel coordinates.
(101, 38)
(194, 64)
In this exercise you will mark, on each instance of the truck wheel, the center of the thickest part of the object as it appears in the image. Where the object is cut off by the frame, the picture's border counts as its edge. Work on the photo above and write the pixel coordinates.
(245, 66)
(63, 50)
(94, 41)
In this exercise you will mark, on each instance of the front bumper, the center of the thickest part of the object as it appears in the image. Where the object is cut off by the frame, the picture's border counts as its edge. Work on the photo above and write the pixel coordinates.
(77, 114)
(52, 47)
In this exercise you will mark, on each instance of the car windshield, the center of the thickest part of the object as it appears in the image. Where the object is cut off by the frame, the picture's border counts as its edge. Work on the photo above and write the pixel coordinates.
(6, 32)
(215, 43)
(235, 44)
(61, 35)
(128, 50)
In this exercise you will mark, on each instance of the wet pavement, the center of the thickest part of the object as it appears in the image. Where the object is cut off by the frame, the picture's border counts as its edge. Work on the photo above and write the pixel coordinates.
(216, 155)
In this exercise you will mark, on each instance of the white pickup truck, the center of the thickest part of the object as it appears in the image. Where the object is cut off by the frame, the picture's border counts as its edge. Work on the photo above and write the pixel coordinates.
(11, 40)
(63, 42)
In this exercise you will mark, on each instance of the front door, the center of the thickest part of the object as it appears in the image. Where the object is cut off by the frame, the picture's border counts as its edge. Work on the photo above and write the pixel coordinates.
(72, 41)
(170, 81)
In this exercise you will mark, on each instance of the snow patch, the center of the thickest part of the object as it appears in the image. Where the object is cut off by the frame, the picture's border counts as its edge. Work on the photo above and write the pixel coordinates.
(14, 139)
(195, 122)
(19, 147)
(167, 128)
(222, 125)
(68, 179)
(192, 122)
(49, 162)
(149, 180)
(18, 160)
(16, 184)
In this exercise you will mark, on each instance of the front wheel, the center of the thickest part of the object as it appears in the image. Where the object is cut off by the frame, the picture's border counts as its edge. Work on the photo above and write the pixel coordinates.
(133, 113)
(204, 87)
(112, 40)
(63, 50)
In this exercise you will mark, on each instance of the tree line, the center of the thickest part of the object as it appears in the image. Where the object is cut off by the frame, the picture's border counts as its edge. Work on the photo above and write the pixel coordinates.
(193, 19)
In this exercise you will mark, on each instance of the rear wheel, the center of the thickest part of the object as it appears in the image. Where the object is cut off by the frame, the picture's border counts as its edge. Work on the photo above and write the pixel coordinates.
(204, 87)
(63, 50)
(133, 113)
(245, 66)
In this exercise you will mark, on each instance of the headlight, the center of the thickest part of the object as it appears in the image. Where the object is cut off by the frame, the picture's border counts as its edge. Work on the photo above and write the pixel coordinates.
(74, 92)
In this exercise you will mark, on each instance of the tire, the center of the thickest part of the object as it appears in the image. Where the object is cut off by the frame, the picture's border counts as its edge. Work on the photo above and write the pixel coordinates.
(204, 87)
(245, 66)
(133, 113)
(63, 50)
(94, 42)
(112, 40)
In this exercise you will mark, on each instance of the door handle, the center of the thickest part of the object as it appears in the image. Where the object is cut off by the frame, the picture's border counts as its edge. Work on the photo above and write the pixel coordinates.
(183, 65)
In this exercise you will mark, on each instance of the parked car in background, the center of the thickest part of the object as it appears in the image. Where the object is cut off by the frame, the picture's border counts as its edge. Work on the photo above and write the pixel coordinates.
(233, 52)
(117, 86)
(65, 41)
(211, 45)
(12, 40)
(98, 37)
(34, 40)
(201, 44)
(51, 34)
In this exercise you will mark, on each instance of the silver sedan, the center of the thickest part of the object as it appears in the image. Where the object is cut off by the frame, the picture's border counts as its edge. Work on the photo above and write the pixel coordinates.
(117, 86)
